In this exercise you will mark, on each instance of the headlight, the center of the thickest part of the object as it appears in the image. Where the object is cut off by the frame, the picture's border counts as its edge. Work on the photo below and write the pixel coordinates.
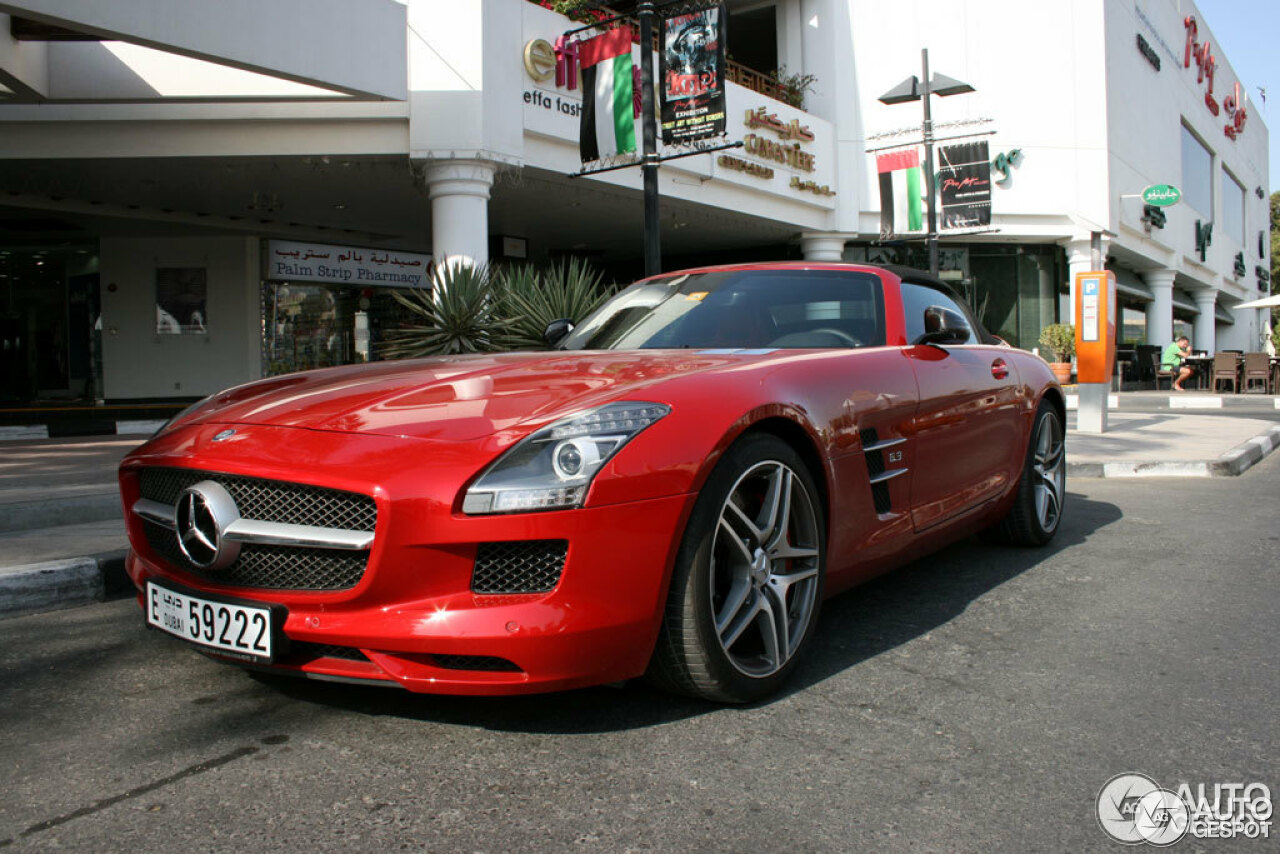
(552, 468)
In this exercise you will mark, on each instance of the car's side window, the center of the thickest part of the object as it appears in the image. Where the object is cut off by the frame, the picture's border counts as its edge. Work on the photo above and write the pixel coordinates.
(928, 310)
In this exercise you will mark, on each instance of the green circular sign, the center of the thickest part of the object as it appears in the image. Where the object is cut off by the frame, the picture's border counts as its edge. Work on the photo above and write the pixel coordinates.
(1162, 195)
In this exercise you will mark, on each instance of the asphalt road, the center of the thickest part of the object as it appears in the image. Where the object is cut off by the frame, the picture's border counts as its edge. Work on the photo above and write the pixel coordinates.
(975, 701)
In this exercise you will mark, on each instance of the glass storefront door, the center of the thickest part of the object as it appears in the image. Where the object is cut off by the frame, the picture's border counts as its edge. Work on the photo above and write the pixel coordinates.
(307, 325)
(49, 304)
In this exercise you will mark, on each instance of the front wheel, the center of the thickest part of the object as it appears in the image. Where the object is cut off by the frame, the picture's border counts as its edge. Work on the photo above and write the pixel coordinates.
(1042, 489)
(748, 580)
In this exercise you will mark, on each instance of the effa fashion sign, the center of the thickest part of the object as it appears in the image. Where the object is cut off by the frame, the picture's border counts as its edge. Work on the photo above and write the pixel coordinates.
(1201, 54)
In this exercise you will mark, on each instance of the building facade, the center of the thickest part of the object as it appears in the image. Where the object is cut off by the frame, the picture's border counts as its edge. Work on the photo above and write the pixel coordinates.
(195, 195)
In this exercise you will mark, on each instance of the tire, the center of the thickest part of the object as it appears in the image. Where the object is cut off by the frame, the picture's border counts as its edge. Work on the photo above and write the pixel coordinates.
(1042, 488)
(746, 589)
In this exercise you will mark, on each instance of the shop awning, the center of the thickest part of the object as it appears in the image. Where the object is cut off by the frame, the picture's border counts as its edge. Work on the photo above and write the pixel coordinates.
(1128, 283)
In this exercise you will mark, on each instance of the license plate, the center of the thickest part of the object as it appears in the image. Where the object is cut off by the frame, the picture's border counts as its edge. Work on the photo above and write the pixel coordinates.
(242, 631)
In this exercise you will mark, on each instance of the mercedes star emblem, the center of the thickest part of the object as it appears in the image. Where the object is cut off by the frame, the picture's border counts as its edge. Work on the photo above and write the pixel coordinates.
(204, 512)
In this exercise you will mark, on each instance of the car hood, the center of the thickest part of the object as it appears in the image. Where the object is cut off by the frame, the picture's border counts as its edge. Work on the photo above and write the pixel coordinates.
(454, 398)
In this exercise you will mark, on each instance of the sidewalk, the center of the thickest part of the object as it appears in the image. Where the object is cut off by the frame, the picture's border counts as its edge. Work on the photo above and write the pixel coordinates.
(62, 537)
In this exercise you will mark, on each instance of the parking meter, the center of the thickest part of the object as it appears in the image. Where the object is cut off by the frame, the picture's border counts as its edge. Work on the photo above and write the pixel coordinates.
(1095, 326)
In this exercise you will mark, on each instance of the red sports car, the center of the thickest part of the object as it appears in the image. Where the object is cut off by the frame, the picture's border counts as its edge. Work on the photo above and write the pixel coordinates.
(671, 491)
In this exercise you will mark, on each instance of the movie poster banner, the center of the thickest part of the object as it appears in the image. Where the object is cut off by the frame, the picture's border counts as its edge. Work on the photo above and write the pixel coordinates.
(692, 72)
(964, 183)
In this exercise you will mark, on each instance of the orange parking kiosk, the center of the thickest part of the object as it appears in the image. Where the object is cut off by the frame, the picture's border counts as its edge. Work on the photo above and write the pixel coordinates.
(1095, 326)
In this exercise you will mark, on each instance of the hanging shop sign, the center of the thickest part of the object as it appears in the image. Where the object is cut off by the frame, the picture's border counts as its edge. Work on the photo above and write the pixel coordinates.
(964, 186)
(691, 68)
(288, 260)
(1162, 195)
(1206, 66)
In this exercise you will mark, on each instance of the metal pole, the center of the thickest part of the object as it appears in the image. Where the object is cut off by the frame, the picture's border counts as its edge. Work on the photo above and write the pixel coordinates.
(931, 238)
(649, 136)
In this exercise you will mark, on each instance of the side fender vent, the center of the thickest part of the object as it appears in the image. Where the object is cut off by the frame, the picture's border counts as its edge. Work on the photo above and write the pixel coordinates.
(879, 472)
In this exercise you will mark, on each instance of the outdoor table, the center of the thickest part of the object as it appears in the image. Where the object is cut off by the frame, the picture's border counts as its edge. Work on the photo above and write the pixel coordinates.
(1203, 366)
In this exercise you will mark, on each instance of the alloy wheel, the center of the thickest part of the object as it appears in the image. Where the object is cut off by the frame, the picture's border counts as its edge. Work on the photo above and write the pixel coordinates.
(1049, 465)
(764, 569)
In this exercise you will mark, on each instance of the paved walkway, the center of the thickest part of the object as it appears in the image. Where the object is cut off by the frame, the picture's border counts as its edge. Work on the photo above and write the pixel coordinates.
(62, 539)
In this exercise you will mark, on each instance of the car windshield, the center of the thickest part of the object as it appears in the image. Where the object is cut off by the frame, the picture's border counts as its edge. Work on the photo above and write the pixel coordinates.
(739, 309)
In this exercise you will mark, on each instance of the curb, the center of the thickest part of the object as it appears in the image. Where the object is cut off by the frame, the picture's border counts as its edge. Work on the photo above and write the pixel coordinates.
(38, 587)
(123, 427)
(1234, 462)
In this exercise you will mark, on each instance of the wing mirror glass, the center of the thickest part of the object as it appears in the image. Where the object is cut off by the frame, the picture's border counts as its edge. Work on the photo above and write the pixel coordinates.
(557, 331)
(943, 327)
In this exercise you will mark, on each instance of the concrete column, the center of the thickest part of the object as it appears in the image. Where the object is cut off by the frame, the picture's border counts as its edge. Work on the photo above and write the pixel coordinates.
(1204, 335)
(1160, 309)
(1079, 260)
(459, 193)
(822, 247)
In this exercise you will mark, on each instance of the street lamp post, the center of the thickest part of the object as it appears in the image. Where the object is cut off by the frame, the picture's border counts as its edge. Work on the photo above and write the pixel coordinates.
(919, 89)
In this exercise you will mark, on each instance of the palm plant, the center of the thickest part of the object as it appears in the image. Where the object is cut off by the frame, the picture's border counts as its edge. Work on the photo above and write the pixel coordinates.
(531, 300)
(458, 313)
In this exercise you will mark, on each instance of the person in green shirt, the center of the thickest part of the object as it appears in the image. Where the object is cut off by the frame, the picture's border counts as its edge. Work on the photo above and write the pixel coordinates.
(1171, 360)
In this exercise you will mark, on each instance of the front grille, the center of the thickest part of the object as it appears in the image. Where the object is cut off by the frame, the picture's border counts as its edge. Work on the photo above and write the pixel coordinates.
(269, 500)
(486, 663)
(526, 566)
(266, 567)
(269, 567)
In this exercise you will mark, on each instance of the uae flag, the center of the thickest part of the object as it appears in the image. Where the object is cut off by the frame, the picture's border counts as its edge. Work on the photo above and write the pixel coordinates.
(608, 123)
(901, 192)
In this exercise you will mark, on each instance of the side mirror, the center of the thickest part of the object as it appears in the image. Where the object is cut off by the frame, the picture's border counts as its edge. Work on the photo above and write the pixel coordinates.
(943, 327)
(557, 331)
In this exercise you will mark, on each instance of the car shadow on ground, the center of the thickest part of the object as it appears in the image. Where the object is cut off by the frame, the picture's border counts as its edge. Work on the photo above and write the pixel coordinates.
(855, 626)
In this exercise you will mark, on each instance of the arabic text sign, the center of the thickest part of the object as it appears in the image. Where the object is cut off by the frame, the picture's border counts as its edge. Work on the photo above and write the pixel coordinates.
(291, 261)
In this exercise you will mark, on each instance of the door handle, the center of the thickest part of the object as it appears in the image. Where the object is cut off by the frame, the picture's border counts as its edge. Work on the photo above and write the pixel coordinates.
(999, 369)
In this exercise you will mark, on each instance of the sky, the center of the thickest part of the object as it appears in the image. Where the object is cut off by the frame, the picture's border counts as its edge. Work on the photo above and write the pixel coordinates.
(1249, 34)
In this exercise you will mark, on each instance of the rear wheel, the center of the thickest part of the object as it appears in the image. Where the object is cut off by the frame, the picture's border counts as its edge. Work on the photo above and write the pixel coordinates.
(1042, 491)
(748, 580)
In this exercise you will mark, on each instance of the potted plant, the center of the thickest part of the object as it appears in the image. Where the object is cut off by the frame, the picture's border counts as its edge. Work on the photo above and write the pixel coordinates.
(1060, 340)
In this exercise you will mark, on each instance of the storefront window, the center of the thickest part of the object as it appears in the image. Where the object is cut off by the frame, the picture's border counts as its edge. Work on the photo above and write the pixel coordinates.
(1232, 207)
(1133, 323)
(309, 326)
(1197, 174)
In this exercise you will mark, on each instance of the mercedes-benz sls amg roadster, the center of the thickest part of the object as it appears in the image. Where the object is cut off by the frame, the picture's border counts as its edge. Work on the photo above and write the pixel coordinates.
(670, 491)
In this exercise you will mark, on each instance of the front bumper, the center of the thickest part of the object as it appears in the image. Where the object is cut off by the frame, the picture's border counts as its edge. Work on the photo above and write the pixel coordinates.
(413, 618)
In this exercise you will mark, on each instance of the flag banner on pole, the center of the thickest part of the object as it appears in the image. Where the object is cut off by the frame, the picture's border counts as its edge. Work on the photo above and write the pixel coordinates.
(607, 126)
(691, 68)
(964, 183)
(901, 192)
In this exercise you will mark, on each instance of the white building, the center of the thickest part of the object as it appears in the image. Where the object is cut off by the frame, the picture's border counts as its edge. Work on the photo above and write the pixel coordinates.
(154, 154)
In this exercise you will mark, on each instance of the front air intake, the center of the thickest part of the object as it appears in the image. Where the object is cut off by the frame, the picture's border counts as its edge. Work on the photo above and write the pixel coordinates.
(524, 566)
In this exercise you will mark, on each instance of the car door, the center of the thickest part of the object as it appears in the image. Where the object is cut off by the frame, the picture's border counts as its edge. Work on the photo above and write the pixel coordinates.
(968, 426)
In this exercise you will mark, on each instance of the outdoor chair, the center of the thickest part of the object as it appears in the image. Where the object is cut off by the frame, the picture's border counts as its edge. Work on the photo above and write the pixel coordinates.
(1257, 369)
(1224, 371)
(1161, 373)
